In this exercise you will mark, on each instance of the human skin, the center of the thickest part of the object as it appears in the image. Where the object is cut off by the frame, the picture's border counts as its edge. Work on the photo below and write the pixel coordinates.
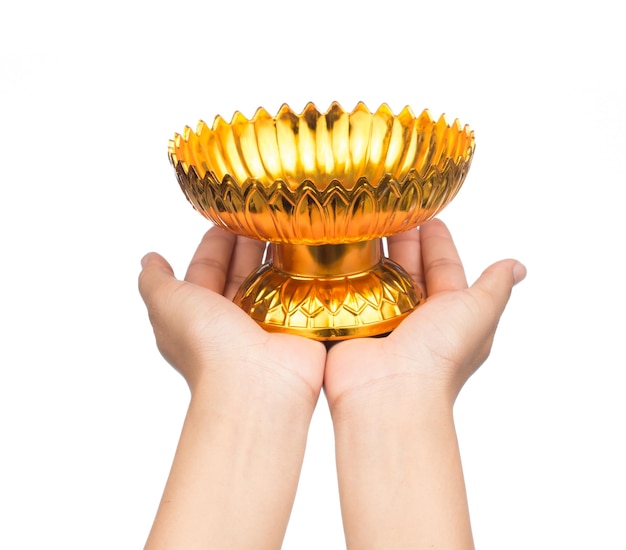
(236, 468)
(391, 399)
(235, 472)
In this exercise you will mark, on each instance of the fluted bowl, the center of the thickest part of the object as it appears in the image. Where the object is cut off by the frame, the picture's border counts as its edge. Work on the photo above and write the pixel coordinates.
(322, 178)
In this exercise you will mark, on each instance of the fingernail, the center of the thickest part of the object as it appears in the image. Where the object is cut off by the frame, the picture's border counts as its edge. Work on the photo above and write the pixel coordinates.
(144, 260)
(519, 272)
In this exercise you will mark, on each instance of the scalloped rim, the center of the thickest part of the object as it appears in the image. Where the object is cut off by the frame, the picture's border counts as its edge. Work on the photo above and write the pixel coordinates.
(310, 108)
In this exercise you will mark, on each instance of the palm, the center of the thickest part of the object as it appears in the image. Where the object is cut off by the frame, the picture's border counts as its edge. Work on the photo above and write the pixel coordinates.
(441, 343)
(201, 326)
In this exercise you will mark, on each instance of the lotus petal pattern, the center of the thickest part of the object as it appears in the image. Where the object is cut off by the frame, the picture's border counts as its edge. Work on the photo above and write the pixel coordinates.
(322, 178)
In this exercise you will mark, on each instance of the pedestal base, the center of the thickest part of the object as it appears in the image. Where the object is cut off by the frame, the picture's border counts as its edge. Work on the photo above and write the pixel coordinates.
(329, 292)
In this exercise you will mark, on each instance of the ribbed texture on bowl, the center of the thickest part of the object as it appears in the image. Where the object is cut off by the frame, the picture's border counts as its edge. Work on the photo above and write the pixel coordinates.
(317, 177)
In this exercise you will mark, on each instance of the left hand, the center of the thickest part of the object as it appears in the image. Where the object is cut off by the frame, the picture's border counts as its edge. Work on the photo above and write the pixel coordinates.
(439, 345)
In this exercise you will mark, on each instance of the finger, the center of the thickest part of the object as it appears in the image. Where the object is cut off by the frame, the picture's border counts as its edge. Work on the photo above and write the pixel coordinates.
(497, 282)
(210, 263)
(405, 249)
(443, 269)
(247, 256)
(154, 274)
(491, 293)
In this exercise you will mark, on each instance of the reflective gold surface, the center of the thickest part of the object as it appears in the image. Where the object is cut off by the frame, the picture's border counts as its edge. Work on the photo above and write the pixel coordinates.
(318, 185)
(326, 260)
(329, 291)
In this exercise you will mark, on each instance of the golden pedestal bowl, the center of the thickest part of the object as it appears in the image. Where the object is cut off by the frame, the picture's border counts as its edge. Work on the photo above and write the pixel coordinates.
(324, 189)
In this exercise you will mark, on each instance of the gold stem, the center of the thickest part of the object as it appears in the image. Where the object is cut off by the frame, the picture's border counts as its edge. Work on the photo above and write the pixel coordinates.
(327, 260)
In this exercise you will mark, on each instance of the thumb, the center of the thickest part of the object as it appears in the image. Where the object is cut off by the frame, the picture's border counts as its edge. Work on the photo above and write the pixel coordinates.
(498, 280)
(156, 272)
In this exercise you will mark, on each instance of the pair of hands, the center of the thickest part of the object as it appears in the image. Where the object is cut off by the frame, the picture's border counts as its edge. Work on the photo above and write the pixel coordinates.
(214, 344)
(253, 393)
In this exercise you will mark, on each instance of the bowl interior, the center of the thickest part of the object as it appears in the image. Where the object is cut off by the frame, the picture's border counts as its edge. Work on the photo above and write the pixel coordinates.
(321, 147)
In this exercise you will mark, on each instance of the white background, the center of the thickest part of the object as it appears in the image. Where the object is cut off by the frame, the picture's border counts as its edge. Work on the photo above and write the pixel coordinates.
(90, 94)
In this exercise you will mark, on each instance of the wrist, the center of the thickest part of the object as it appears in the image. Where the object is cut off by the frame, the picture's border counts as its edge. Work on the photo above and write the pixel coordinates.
(397, 399)
(236, 386)
(244, 408)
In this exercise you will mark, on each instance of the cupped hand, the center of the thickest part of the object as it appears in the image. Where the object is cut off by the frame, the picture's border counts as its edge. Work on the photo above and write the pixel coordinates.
(438, 346)
(210, 340)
